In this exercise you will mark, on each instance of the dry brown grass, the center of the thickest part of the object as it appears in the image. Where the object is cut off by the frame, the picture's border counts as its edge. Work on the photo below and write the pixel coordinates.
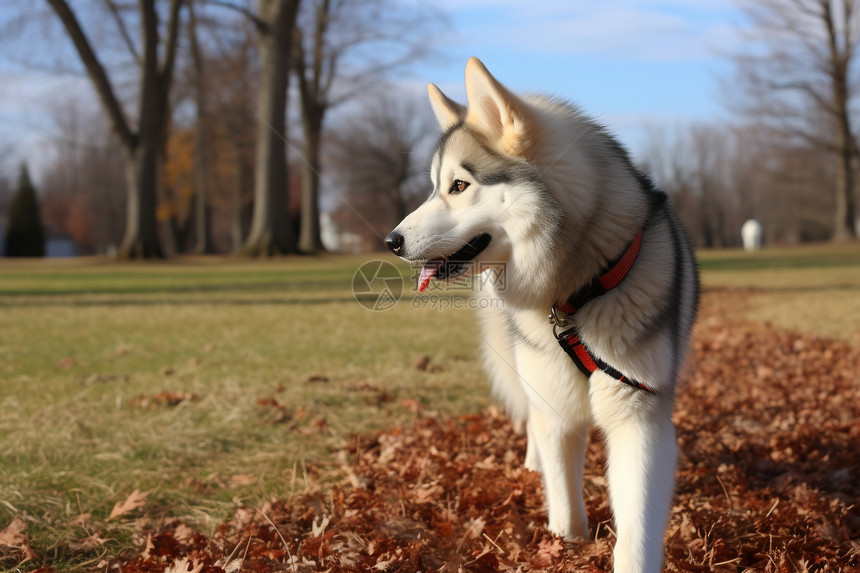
(813, 289)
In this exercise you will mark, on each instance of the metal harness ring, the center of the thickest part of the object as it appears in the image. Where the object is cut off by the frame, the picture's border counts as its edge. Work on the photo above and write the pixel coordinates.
(557, 321)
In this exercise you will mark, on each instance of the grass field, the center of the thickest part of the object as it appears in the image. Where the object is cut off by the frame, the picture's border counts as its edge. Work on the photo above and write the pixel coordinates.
(215, 382)
(814, 289)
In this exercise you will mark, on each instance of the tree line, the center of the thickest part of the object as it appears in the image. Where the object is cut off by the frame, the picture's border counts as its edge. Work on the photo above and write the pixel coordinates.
(201, 128)
(214, 118)
(789, 157)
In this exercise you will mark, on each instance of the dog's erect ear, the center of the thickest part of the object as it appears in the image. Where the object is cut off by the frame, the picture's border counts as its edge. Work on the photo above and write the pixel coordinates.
(448, 112)
(496, 112)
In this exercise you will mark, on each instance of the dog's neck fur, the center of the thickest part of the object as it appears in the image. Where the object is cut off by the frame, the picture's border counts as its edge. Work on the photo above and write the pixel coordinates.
(590, 230)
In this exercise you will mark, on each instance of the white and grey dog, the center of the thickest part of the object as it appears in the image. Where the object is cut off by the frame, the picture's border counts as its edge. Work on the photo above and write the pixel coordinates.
(531, 183)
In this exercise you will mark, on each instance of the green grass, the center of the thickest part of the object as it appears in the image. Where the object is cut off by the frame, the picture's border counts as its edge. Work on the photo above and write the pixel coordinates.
(813, 288)
(86, 344)
(815, 256)
(82, 343)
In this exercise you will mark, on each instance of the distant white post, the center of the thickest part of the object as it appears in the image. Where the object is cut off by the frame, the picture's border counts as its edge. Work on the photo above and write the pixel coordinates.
(751, 235)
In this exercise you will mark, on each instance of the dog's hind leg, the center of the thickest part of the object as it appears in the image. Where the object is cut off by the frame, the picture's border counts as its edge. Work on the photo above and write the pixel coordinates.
(642, 453)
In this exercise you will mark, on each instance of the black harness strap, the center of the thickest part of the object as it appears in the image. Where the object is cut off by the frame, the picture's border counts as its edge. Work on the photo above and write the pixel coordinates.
(569, 339)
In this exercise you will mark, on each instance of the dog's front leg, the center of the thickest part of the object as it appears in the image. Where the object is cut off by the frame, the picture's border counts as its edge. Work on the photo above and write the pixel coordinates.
(641, 459)
(562, 455)
(558, 425)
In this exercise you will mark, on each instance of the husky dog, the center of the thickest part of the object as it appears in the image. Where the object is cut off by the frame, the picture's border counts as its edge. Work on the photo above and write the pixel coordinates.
(531, 183)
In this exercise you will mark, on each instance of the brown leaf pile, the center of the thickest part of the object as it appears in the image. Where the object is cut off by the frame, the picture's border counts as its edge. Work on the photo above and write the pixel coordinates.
(769, 428)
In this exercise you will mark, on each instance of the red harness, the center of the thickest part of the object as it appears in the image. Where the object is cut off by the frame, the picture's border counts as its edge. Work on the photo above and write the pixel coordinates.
(569, 339)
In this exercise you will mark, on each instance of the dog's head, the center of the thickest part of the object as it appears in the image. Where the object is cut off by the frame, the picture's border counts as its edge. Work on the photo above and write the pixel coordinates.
(487, 199)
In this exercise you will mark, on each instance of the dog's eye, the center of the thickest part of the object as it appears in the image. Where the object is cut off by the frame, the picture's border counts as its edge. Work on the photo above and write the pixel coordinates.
(458, 186)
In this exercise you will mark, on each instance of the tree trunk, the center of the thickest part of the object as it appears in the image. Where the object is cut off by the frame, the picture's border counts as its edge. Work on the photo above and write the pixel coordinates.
(310, 239)
(271, 231)
(843, 153)
(202, 156)
(203, 243)
(141, 229)
(142, 161)
(314, 105)
(241, 214)
(844, 216)
(141, 148)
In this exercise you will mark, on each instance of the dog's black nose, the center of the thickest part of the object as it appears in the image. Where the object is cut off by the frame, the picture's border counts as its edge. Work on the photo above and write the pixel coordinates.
(394, 240)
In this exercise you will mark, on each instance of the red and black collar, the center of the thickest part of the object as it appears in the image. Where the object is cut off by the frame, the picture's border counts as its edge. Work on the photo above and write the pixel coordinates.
(569, 339)
(609, 278)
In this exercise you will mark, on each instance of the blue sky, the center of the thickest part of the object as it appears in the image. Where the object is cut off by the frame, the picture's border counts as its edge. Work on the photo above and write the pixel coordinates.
(630, 63)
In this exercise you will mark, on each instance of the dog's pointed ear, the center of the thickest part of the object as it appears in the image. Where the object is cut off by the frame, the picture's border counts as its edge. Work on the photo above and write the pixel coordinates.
(447, 111)
(503, 117)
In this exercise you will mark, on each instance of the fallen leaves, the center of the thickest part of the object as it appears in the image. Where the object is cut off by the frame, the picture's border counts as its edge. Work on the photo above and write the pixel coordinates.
(238, 480)
(170, 399)
(768, 423)
(14, 541)
(135, 499)
(548, 552)
(88, 543)
(276, 412)
(422, 364)
(768, 427)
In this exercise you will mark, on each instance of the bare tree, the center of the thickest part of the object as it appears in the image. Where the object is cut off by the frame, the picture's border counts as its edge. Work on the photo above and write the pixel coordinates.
(220, 82)
(271, 231)
(236, 118)
(717, 178)
(800, 67)
(83, 186)
(341, 48)
(379, 165)
(202, 139)
(142, 143)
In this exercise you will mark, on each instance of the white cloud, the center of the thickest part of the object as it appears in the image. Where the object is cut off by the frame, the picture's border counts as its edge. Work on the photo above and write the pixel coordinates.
(629, 29)
(622, 34)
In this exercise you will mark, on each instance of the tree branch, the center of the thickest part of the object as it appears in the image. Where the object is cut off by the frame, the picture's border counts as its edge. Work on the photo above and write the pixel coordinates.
(806, 88)
(97, 73)
(172, 41)
(300, 66)
(123, 29)
(320, 35)
(252, 17)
